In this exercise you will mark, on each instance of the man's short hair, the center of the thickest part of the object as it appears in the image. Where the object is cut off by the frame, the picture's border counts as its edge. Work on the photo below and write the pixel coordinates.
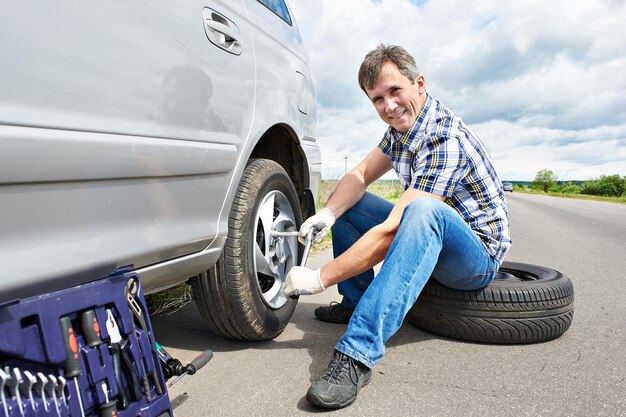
(374, 60)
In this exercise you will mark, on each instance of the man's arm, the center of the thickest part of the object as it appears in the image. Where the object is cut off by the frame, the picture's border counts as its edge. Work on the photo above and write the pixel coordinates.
(372, 247)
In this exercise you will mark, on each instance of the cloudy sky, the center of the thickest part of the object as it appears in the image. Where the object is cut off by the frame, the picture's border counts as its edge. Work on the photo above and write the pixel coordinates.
(542, 83)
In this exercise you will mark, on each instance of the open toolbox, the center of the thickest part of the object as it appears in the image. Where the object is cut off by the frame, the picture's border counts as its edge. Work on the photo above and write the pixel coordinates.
(82, 351)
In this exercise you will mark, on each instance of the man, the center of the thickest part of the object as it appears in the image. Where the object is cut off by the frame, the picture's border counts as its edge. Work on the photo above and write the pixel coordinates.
(451, 223)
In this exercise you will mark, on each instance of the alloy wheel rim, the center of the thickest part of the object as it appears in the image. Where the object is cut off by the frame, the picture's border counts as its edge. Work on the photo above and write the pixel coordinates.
(274, 256)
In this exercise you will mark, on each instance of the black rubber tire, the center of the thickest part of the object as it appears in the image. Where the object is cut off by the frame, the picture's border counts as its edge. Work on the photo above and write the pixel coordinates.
(524, 304)
(228, 295)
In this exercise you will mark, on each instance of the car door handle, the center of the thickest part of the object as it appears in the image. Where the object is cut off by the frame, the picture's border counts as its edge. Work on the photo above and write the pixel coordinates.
(229, 34)
(221, 31)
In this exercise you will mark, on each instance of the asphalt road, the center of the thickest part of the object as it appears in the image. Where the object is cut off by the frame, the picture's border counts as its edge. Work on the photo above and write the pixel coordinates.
(583, 373)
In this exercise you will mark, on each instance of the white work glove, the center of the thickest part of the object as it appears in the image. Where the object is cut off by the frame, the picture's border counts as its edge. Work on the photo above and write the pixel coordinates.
(303, 281)
(321, 222)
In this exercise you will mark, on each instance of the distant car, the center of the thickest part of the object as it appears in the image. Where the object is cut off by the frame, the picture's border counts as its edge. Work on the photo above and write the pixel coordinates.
(507, 186)
(175, 138)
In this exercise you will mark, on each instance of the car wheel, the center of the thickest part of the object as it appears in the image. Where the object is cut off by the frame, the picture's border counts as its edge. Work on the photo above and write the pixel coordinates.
(524, 304)
(242, 296)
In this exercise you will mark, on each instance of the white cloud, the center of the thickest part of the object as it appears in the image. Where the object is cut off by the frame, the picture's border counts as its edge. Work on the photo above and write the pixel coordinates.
(541, 83)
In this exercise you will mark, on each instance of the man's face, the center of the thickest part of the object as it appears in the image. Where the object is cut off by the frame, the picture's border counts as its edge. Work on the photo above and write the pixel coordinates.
(397, 100)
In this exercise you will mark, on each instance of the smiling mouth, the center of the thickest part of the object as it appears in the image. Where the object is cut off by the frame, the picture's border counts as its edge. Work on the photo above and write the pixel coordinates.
(397, 116)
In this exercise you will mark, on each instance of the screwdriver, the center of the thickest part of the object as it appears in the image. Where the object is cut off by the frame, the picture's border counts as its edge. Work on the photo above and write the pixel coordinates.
(72, 363)
(91, 331)
(91, 328)
(195, 365)
(109, 407)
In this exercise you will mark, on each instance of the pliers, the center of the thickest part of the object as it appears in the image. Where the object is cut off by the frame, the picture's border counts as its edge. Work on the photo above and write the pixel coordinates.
(122, 363)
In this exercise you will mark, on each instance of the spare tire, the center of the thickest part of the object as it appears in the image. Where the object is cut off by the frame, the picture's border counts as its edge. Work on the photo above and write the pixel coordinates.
(524, 304)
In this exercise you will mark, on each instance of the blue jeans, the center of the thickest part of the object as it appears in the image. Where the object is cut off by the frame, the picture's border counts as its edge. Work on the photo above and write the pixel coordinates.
(432, 240)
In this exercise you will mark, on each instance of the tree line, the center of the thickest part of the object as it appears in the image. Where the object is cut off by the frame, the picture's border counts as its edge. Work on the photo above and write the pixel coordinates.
(606, 185)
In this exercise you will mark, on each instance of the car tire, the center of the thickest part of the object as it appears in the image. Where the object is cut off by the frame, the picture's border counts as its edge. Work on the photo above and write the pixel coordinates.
(242, 295)
(524, 304)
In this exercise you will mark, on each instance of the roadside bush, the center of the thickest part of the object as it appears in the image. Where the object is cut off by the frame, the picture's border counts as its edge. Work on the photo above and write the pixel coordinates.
(571, 189)
(554, 189)
(610, 186)
(394, 195)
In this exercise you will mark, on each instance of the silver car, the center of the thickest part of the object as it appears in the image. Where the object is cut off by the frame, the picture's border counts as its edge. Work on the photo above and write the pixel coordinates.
(171, 136)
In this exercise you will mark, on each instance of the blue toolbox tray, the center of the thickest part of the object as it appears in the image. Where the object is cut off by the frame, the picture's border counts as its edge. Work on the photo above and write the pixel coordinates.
(34, 347)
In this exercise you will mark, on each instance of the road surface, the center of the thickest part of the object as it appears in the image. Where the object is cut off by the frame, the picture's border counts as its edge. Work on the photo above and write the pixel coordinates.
(583, 373)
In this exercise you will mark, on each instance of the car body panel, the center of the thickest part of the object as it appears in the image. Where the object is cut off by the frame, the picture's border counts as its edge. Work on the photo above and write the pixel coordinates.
(124, 130)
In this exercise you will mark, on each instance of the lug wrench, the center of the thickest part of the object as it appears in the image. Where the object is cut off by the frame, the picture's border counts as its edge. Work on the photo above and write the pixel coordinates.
(307, 246)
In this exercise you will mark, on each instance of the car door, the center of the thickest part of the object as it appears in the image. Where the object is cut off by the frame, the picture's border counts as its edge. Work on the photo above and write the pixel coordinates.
(120, 127)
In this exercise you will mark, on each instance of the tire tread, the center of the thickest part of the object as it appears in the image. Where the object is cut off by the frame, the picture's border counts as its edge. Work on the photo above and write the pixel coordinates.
(503, 312)
(223, 297)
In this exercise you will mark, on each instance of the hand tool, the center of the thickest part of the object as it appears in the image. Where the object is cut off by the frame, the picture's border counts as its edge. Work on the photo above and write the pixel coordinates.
(38, 387)
(168, 364)
(60, 393)
(114, 346)
(51, 392)
(164, 357)
(122, 363)
(192, 367)
(13, 384)
(60, 388)
(72, 362)
(91, 331)
(108, 408)
(144, 377)
(26, 387)
(307, 247)
(276, 233)
(129, 372)
(4, 377)
(91, 328)
(135, 308)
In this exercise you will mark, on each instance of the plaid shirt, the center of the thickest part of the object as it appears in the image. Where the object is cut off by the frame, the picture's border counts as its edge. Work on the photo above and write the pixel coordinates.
(440, 155)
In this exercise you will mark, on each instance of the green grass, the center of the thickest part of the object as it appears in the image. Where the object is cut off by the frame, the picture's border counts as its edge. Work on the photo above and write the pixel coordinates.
(618, 200)
(387, 189)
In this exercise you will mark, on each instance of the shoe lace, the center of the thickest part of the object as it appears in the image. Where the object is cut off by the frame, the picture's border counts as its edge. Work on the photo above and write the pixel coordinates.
(338, 367)
(338, 308)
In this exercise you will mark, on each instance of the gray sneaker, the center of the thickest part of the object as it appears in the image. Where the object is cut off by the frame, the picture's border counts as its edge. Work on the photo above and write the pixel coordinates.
(340, 384)
(334, 313)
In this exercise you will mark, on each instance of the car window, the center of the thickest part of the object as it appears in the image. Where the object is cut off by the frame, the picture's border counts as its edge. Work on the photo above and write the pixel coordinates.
(279, 7)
